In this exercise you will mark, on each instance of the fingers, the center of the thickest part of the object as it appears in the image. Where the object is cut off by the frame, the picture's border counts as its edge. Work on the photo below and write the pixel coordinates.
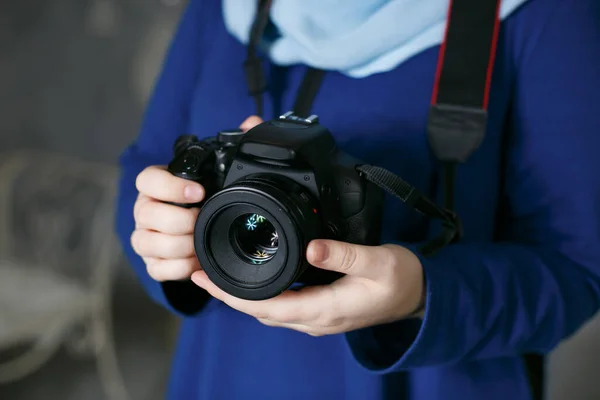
(289, 307)
(166, 218)
(264, 309)
(171, 270)
(159, 245)
(250, 123)
(316, 310)
(350, 259)
(163, 235)
(158, 183)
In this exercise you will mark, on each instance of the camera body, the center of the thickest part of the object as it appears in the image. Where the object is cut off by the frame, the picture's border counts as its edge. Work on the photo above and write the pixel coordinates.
(269, 192)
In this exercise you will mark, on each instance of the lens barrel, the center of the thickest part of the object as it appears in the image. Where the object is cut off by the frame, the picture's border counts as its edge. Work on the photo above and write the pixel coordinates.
(251, 237)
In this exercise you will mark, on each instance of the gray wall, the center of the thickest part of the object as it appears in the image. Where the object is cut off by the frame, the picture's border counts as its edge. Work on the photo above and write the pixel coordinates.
(74, 73)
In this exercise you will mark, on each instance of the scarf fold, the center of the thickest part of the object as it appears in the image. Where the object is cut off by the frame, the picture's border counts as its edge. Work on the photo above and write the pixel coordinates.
(355, 37)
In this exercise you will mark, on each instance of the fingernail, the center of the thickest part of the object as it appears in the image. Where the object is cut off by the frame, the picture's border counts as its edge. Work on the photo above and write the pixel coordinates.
(195, 279)
(193, 192)
(320, 251)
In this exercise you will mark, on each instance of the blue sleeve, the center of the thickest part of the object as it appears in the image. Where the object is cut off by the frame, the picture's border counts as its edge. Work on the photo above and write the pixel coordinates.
(166, 118)
(538, 285)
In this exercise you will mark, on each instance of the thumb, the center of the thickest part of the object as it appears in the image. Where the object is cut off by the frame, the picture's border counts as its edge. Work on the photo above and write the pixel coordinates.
(250, 123)
(350, 259)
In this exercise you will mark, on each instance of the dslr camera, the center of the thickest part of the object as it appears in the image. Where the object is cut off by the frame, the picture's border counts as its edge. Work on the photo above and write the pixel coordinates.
(269, 192)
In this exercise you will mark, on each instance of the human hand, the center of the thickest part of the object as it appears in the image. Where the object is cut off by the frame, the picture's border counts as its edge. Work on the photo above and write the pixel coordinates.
(164, 233)
(163, 236)
(382, 284)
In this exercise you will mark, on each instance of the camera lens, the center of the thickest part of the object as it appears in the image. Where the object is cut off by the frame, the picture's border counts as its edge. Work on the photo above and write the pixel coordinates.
(254, 238)
(250, 238)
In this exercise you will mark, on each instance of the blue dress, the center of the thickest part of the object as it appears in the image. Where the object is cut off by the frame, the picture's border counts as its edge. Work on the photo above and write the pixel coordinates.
(527, 273)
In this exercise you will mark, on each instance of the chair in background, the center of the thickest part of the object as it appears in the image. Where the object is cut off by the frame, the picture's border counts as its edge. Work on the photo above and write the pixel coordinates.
(58, 253)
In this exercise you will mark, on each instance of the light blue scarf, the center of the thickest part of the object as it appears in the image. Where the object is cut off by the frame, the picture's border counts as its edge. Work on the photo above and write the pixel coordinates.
(356, 37)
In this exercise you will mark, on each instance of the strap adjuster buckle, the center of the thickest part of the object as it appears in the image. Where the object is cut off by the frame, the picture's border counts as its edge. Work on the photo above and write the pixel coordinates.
(455, 132)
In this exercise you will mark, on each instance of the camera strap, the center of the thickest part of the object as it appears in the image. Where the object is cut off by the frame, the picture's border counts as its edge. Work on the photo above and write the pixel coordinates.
(458, 114)
(255, 77)
(456, 123)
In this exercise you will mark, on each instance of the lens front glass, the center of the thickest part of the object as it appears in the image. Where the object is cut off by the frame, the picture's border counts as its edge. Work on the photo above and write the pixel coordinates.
(254, 238)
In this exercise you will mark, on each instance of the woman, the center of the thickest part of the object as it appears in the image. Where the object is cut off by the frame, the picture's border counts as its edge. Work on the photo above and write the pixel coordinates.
(525, 275)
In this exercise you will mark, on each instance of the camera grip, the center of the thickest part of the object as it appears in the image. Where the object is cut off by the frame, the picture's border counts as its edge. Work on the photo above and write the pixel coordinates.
(364, 227)
(183, 205)
(181, 168)
(184, 295)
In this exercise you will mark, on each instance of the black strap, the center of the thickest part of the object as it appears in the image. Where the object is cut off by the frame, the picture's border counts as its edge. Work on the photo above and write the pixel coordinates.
(409, 195)
(308, 92)
(535, 366)
(458, 115)
(255, 77)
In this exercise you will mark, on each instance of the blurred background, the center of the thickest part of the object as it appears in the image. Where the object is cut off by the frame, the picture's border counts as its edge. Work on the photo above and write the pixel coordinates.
(74, 78)
(74, 323)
